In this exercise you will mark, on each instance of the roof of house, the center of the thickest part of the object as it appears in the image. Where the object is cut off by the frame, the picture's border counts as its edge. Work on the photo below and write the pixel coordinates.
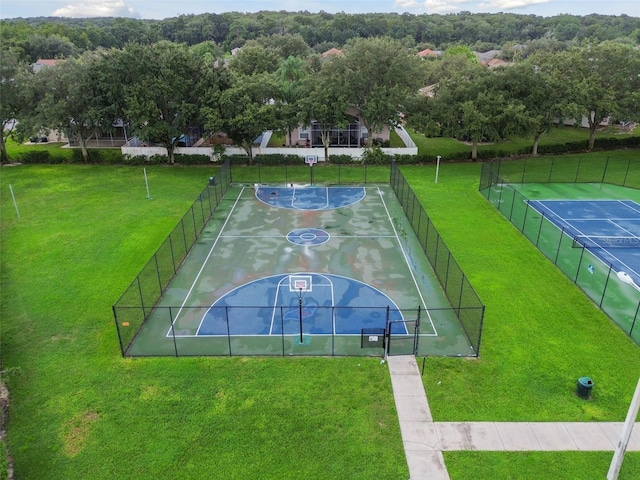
(44, 62)
(495, 62)
(427, 52)
(486, 56)
(332, 51)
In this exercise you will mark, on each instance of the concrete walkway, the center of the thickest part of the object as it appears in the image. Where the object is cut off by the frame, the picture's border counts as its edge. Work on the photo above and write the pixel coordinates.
(424, 440)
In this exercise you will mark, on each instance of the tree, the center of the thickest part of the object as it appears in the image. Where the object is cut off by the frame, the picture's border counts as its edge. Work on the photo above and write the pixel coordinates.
(243, 111)
(162, 95)
(603, 82)
(324, 104)
(48, 46)
(463, 51)
(536, 86)
(254, 58)
(68, 99)
(377, 75)
(288, 76)
(468, 105)
(14, 76)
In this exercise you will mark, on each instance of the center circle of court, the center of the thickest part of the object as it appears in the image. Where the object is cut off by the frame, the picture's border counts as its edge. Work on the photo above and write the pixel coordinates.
(308, 236)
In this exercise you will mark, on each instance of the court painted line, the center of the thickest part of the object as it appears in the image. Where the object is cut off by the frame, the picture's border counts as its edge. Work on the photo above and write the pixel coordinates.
(561, 220)
(406, 259)
(284, 279)
(293, 187)
(274, 308)
(285, 236)
(632, 205)
(204, 264)
(631, 234)
(603, 261)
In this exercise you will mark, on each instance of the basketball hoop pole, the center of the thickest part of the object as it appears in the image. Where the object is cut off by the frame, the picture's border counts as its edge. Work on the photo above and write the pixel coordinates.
(300, 312)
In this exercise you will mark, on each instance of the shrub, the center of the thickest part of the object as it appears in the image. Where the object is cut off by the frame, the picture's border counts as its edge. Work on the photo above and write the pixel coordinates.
(36, 156)
(407, 159)
(279, 159)
(341, 159)
(192, 159)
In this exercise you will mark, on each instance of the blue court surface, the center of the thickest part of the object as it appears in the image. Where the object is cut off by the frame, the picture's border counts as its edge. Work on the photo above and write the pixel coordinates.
(309, 198)
(610, 229)
(310, 299)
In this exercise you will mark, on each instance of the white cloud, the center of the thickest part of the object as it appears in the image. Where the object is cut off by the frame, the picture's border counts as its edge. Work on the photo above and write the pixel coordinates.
(96, 8)
(406, 4)
(511, 4)
(443, 6)
(448, 6)
(432, 6)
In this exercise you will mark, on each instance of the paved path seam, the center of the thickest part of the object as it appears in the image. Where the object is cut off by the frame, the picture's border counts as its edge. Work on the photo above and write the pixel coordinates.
(424, 440)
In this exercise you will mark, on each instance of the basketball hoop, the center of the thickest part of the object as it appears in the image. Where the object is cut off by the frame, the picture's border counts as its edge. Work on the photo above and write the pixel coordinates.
(311, 159)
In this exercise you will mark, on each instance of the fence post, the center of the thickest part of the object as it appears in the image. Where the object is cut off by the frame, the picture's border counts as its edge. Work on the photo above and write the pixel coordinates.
(624, 182)
(416, 333)
(115, 317)
(540, 229)
(575, 180)
(635, 317)
(513, 204)
(551, 169)
(575, 280)
(460, 296)
(524, 220)
(282, 330)
(144, 312)
(155, 257)
(173, 332)
(184, 236)
(555, 262)
(606, 284)
(604, 172)
(173, 257)
(333, 333)
(226, 317)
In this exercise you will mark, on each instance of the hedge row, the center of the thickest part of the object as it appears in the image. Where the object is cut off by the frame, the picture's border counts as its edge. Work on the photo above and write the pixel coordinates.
(374, 156)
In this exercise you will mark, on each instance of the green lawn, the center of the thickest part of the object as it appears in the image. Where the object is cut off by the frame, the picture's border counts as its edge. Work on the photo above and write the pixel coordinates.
(81, 411)
(450, 148)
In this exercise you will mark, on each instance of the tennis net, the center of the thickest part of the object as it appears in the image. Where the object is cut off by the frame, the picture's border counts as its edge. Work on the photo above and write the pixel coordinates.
(591, 241)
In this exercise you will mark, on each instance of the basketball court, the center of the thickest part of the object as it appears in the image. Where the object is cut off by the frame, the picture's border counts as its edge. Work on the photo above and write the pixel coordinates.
(302, 269)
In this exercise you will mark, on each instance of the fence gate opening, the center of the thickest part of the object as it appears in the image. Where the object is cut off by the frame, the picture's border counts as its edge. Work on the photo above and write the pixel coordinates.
(403, 336)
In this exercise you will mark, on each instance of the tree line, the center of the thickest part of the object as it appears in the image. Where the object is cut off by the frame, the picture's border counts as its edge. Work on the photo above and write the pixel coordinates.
(49, 37)
(165, 90)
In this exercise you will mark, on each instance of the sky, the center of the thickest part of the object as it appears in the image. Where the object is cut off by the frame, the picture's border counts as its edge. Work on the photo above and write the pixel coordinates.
(159, 9)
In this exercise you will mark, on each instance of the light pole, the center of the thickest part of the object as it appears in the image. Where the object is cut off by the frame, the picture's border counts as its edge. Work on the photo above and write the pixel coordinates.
(618, 456)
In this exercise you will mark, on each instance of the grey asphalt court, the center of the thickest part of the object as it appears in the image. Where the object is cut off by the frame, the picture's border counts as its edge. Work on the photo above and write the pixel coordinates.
(424, 440)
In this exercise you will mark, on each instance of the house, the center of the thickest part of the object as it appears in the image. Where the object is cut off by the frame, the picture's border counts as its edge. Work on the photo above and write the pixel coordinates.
(43, 63)
(484, 57)
(331, 52)
(354, 135)
(495, 63)
(427, 52)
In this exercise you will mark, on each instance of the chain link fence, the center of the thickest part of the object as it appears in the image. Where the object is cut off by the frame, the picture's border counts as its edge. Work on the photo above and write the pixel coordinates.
(137, 312)
(466, 303)
(594, 276)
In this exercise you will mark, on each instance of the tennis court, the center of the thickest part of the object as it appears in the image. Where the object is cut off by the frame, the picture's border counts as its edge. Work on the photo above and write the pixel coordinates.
(608, 228)
(585, 218)
(304, 270)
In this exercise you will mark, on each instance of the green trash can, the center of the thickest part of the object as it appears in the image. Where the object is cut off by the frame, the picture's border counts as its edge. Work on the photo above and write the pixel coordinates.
(585, 384)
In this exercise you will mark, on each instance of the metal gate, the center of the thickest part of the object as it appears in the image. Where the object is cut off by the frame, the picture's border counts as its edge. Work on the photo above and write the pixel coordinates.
(403, 336)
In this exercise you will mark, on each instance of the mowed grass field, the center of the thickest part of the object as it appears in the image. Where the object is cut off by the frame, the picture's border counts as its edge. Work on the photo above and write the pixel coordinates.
(81, 411)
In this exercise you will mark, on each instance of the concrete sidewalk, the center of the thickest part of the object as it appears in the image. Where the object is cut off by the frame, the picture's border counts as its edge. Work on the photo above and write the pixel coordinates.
(424, 440)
